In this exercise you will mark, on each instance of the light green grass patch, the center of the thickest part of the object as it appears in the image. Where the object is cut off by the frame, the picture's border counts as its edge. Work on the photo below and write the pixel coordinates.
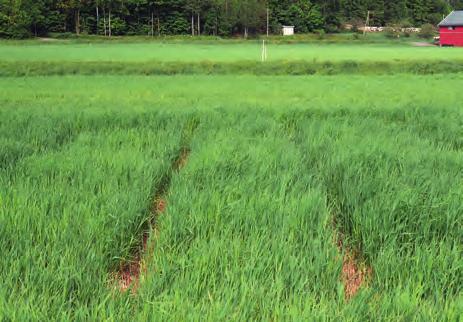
(220, 52)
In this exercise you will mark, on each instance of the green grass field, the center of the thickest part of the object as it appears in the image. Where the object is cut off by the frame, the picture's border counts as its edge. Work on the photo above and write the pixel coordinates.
(285, 177)
(143, 56)
(220, 52)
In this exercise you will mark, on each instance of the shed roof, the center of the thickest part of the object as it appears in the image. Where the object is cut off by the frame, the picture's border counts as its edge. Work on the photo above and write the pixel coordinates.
(455, 18)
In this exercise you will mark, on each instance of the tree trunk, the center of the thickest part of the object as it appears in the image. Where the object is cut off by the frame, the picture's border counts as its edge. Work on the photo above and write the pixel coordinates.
(138, 15)
(109, 23)
(78, 21)
(152, 23)
(97, 20)
(199, 25)
(192, 25)
(245, 32)
(159, 27)
(104, 22)
(268, 19)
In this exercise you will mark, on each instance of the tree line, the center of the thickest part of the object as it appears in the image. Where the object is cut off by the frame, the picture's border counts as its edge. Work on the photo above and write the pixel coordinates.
(28, 18)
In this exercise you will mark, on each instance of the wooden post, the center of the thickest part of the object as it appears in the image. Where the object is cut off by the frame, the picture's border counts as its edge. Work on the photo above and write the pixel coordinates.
(266, 56)
(264, 51)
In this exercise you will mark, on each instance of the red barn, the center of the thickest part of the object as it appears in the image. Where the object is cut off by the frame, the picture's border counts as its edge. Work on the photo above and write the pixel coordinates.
(451, 29)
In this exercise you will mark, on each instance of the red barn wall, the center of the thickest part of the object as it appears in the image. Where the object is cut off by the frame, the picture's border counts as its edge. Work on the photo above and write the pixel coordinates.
(451, 37)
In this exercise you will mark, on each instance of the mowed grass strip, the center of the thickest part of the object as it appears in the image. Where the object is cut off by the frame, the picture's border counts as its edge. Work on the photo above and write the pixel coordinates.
(219, 52)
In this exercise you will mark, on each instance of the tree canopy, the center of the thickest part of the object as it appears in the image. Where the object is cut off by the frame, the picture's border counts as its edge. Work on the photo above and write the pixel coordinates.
(26, 18)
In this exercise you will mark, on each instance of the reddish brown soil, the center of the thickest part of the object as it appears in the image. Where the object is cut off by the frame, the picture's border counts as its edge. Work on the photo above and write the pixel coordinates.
(353, 275)
(129, 276)
(161, 205)
(182, 159)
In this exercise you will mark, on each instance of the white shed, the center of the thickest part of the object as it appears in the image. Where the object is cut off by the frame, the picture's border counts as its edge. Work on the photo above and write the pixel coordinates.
(288, 30)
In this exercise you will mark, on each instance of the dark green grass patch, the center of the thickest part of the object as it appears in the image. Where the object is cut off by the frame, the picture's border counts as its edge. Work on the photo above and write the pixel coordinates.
(17, 69)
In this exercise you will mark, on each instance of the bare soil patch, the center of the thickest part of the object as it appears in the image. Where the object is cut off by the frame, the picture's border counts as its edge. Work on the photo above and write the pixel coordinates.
(422, 44)
(45, 39)
(354, 274)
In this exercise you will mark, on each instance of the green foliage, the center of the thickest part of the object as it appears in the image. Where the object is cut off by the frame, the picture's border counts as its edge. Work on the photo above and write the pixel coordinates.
(304, 15)
(25, 18)
(321, 34)
(63, 35)
(393, 31)
(427, 31)
(119, 26)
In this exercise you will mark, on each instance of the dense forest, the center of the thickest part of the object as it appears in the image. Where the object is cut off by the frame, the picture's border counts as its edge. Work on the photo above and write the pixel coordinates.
(28, 18)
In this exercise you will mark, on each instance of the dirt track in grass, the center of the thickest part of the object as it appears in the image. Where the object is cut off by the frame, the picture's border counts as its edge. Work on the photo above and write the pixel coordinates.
(129, 273)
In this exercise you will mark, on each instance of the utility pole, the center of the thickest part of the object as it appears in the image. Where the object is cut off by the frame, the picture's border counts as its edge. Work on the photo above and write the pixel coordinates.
(367, 23)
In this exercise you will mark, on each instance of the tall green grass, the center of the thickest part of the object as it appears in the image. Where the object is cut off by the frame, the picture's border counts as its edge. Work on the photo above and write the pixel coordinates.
(279, 68)
(279, 166)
